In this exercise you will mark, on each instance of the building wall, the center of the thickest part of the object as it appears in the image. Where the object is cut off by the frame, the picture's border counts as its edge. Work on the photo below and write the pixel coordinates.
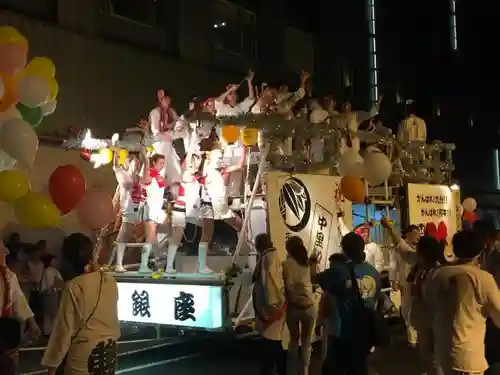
(109, 68)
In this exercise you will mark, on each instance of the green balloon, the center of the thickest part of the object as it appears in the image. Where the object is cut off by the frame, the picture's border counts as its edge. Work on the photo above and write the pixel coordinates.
(32, 116)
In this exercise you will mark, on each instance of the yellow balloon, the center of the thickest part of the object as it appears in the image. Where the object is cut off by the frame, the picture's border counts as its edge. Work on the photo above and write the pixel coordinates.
(249, 137)
(122, 156)
(13, 185)
(54, 88)
(41, 66)
(10, 35)
(230, 133)
(106, 154)
(35, 210)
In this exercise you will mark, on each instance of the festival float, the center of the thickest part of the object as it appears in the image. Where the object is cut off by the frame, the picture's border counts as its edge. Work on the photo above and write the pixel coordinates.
(299, 174)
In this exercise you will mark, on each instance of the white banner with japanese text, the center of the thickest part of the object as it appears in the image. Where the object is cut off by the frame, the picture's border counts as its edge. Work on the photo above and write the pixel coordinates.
(306, 205)
(433, 209)
(193, 306)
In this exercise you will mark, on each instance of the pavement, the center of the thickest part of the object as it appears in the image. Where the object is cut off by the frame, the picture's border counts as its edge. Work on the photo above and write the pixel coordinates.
(194, 354)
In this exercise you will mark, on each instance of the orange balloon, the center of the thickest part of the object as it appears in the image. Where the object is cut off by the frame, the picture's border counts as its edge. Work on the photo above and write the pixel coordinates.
(353, 189)
(230, 133)
(10, 95)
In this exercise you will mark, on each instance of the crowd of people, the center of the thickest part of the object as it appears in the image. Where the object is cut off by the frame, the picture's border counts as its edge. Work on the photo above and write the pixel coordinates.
(75, 304)
(451, 309)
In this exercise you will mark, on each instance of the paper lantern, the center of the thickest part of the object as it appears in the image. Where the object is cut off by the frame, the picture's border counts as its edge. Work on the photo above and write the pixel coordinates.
(377, 168)
(353, 189)
(249, 137)
(230, 133)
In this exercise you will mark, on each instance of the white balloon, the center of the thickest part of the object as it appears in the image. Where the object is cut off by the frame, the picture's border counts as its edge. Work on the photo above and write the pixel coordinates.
(350, 164)
(6, 161)
(19, 140)
(377, 168)
(33, 91)
(49, 107)
(11, 113)
(469, 204)
(2, 88)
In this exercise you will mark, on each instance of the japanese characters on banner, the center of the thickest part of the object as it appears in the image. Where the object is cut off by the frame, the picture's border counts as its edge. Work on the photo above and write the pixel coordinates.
(193, 306)
(306, 205)
(434, 210)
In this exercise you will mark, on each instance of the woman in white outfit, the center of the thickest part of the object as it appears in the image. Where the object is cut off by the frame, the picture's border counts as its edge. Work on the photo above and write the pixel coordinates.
(50, 286)
(162, 120)
(131, 197)
(151, 211)
(214, 201)
(302, 309)
(83, 341)
(185, 207)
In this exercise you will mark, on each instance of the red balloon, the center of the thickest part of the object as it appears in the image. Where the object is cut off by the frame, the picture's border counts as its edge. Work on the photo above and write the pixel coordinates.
(470, 216)
(66, 187)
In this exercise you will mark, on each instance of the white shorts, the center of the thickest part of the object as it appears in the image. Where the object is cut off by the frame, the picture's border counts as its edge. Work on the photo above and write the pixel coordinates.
(208, 212)
(131, 214)
(178, 219)
(156, 214)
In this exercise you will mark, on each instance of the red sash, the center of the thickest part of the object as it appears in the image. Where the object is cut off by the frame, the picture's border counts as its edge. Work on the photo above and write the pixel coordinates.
(7, 302)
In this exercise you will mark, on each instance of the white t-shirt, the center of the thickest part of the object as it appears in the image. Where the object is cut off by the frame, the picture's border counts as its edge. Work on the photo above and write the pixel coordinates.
(154, 120)
(130, 196)
(374, 256)
(50, 278)
(227, 110)
(155, 191)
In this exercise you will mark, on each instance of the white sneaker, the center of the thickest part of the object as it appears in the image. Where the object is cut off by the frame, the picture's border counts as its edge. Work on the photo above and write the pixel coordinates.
(120, 269)
(170, 271)
(205, 270)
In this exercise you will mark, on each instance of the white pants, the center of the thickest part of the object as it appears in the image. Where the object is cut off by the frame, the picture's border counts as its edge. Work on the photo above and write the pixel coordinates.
(301, 324)
(405, 312)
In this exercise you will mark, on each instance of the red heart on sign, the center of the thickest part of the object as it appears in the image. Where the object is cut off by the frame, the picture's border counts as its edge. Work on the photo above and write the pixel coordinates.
(431, 230)
(442, 231)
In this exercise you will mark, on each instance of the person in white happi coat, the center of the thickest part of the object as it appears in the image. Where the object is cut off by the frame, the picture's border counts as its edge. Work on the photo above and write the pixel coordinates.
(151, 211)
(162, 120)
(268, 297)
(130, 198)
(13, 303)
(399, 269)
(351, 120)
(227, 105)
(214, 200)
(83, 341)
(412, 128)
(52, 282)
(186, 207)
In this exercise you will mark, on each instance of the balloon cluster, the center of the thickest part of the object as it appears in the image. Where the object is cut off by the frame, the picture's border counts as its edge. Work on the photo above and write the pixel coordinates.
(33, 209)
(68, 191)
(31, 88)
(28, 92)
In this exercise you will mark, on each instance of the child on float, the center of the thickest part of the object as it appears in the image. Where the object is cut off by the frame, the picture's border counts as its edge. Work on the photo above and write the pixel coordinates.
(214, 200)
(151, 211)
(185, 207)
(131, 198)
(163, 120)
